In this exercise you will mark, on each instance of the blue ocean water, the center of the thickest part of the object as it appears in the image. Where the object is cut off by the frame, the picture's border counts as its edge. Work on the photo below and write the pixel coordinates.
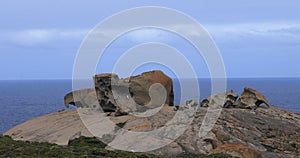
(24, 100)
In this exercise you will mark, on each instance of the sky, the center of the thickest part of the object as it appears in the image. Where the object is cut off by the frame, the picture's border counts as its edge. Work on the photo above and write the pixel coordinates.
(40, 39)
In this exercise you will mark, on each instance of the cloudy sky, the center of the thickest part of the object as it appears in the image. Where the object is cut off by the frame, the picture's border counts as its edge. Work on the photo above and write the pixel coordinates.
(39, 39)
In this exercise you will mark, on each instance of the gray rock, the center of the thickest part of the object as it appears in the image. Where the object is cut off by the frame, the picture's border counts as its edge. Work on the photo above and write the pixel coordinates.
(270, 132)
(84, 98)
(251, 98)
(223, 100)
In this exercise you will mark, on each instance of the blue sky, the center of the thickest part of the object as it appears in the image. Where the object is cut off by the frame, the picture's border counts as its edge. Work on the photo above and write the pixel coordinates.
(39, 40)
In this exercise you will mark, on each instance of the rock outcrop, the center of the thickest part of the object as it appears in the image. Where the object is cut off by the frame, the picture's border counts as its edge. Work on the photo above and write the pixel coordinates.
(238, 150)
(59, 128)
(240, 132)
(251, 98)
(264, 132)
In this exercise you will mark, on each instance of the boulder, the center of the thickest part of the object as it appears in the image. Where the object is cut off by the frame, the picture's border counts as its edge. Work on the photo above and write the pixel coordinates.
(139, 86)
(205, 102)
(225, 100)
(251, 98)
(133, 94)
(192, 104)
(231, 97)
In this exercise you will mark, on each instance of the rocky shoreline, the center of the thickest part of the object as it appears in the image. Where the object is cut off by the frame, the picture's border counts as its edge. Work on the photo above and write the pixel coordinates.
(242, 127)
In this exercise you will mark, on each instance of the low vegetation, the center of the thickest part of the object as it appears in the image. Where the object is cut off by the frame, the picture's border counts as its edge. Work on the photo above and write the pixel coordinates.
(80, 147)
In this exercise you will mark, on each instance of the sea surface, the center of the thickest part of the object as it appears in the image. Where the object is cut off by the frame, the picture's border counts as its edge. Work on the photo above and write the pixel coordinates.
(26, 99)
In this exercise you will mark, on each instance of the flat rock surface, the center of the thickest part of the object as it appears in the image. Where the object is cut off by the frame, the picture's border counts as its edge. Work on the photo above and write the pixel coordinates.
(57, 128)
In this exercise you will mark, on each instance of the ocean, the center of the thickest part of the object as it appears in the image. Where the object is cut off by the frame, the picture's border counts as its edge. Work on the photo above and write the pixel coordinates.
(21, 100)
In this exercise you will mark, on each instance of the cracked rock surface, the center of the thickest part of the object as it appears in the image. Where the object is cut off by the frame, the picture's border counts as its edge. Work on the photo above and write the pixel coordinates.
(264, 132)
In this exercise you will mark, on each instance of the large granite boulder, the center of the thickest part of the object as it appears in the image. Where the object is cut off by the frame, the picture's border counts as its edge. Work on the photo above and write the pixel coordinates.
(133, 94)
(139, 86)
(251, 98)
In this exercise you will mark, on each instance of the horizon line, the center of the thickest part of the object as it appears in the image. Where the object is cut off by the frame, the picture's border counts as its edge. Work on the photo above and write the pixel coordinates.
(275, 77)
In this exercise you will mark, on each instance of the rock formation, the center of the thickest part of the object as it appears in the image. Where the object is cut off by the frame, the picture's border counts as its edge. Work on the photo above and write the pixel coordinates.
(240, 132)
(251, 98)
(103, 86)
(192, 104)
(228, 98)
(133, 94)
(139, 86)
(82, 98)
(231, 97)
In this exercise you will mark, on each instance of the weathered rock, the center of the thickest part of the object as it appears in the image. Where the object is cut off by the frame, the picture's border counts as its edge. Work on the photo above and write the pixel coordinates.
(240, 132)
(273, 132)
(133, 94)
(208, 102)
(139, 86)
(249, 129)
(59, 128)
(103, 85)
(192, 104)
(231, 97)
(227, 99)
(250, 98)
(205, 102)
(238, 150)
(82, 98)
